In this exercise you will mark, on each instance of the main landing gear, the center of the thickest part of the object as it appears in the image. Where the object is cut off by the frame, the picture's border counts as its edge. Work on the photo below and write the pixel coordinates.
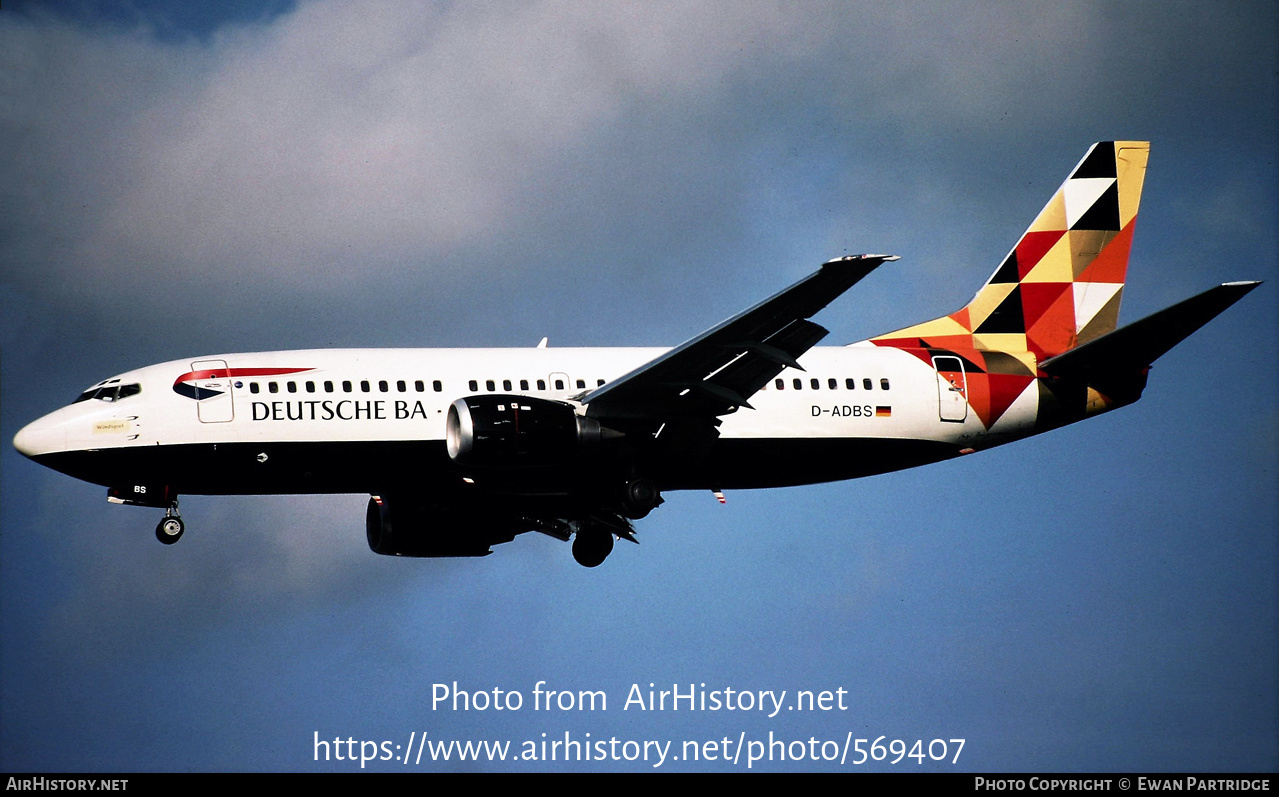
(170, 528)
(592, 544)
(594, 535)
(639, 497)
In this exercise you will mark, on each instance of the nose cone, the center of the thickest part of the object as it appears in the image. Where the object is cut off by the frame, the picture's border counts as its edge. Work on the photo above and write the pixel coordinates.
(40, 437)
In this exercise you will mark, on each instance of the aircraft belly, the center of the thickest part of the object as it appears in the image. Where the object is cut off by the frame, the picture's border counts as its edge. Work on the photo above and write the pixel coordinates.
(747, 463)
(261, 468)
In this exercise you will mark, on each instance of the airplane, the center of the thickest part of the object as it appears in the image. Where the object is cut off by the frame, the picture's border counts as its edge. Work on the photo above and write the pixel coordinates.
(463, 449)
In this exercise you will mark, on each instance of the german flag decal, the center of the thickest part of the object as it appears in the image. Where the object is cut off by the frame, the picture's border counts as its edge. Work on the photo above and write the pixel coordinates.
(883, 412)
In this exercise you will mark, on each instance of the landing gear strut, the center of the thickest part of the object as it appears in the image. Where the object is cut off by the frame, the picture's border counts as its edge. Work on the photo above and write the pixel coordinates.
(171, 526)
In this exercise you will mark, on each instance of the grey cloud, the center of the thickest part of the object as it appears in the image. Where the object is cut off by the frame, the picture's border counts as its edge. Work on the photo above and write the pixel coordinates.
(336, 136)
(338, 143)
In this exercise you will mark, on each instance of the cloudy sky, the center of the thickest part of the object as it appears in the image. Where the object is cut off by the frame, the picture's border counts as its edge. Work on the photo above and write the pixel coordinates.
(185, 180)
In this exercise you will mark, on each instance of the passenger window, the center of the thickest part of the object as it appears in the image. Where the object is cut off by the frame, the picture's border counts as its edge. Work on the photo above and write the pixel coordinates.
(883, 384)
(780, 384)
(403, 388)
(559, 384)
(798, 383)
(506, 384)
(364, 386)
(437, 385)
(850, 383)
(292, 386)
(383, 386)
(599, 383)
(253, 387)
(867, 384)
(833, 384)
(523, 384)
(815, 383)
(272, 387)
(541, 384)
(419, 386)
(310, 387)
(328, 386)
(490, 385)
(346, 386)
(473, 385)
(581, 383)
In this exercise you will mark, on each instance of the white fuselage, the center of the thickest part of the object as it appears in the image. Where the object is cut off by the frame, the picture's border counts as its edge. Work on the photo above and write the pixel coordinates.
(309, 402)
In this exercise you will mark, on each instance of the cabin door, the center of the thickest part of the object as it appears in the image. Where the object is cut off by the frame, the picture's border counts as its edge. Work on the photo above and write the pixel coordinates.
(213, 391)
(558, 383)
(952, 388)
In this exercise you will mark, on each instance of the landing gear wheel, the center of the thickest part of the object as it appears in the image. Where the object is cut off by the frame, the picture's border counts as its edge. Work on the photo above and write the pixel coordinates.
(170, 529)
(592, 545)
(640, 497)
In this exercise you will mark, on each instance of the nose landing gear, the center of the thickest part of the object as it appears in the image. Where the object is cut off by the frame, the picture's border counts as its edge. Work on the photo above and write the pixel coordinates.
(170, 528)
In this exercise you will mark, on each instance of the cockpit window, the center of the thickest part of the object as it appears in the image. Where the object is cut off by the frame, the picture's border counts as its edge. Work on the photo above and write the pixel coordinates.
(113, 392)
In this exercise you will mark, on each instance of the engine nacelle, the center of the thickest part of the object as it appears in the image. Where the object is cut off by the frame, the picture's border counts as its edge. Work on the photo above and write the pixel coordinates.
(403, 527)
(500, 431)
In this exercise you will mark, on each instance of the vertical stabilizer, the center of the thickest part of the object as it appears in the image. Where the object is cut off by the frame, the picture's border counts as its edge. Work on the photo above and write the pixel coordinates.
(1061, 285)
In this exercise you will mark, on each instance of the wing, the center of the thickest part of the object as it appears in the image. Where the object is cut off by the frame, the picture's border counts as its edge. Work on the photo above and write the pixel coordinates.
(718, 371)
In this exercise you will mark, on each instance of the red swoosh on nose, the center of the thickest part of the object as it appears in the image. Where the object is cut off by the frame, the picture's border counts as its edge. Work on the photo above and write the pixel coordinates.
(217, 373)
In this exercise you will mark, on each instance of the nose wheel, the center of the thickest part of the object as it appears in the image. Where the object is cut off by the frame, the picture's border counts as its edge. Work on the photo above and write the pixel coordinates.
(170, 528)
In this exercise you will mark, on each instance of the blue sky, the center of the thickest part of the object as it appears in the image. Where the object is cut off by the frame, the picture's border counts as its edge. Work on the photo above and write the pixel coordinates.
(179, 183)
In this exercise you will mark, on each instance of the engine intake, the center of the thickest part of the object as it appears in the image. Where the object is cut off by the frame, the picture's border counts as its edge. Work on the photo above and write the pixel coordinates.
(504, 431)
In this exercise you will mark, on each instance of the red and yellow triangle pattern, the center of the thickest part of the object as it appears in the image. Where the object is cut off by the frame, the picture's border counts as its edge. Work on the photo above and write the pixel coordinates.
(1059, 287)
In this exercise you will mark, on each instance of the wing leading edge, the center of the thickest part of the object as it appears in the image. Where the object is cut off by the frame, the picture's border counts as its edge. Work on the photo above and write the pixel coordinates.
(719, 370)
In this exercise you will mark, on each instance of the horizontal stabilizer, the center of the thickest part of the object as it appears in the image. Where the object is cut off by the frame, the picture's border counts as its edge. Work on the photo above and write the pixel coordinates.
(1134, 347)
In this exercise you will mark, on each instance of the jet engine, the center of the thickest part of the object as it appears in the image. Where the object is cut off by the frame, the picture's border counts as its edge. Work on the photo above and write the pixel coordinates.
(500, 431)
(404, 527)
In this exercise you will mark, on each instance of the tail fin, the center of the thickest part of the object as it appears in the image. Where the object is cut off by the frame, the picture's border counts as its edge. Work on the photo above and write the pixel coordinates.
(1061, 284)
